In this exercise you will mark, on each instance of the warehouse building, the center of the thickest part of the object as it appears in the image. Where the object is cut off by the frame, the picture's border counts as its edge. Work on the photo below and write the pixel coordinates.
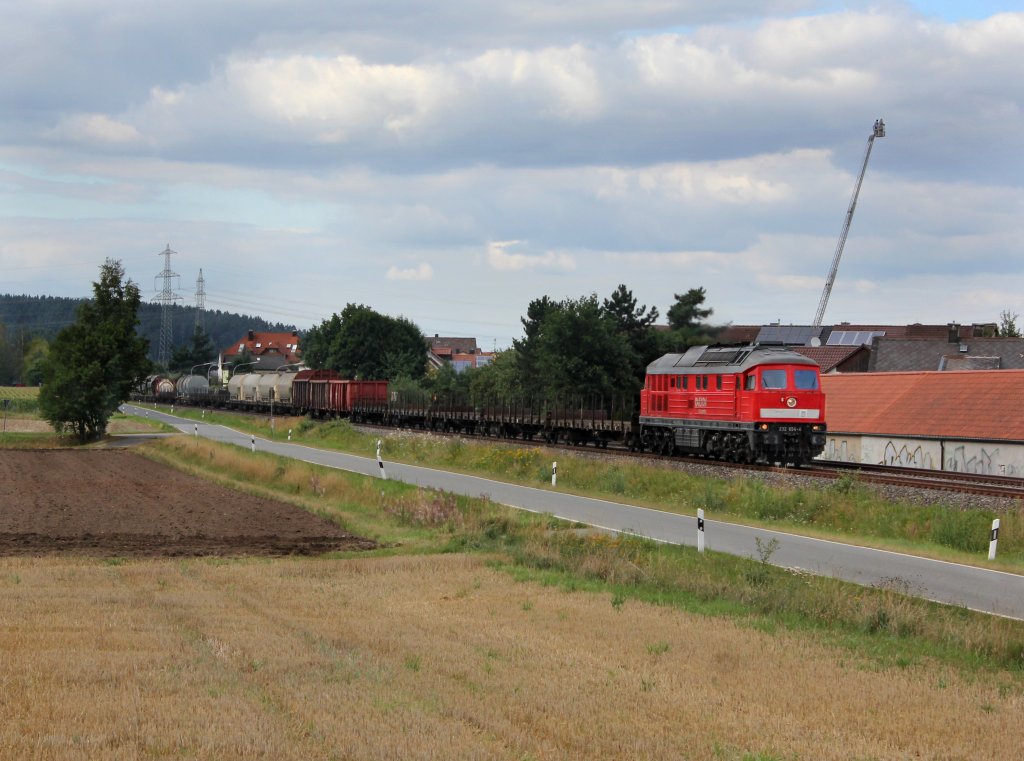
(967, 421)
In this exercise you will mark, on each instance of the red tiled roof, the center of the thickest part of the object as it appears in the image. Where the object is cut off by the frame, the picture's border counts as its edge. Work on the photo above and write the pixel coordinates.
(285, 344)
(977, 404)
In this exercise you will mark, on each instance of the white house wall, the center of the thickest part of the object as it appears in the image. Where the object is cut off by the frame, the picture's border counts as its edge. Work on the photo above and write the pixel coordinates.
(990, 458)
(993, 458)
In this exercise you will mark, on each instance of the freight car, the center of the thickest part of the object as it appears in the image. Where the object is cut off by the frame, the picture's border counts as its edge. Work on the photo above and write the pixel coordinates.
(744, 404)
(573, 420)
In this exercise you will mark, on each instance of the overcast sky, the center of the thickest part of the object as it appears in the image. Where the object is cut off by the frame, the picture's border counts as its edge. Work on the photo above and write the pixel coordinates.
(451, 161)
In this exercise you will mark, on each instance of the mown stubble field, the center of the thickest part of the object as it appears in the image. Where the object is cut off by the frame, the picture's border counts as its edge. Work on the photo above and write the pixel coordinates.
(436, 657)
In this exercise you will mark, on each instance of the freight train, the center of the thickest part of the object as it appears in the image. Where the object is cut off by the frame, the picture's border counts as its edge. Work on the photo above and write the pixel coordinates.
(755, 403)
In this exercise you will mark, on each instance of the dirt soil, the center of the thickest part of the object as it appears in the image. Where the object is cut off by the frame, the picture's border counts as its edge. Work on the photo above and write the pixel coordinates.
(116, 503)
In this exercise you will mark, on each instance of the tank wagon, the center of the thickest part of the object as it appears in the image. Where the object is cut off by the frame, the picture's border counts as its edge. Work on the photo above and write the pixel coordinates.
(158, 387)
(745, 404)
(193, 386)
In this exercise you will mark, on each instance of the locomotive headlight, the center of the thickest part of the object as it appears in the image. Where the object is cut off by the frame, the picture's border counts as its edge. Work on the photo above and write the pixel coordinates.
(764, 426)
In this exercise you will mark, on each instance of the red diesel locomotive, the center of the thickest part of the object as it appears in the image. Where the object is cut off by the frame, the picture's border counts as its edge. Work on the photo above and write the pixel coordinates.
(744, 404)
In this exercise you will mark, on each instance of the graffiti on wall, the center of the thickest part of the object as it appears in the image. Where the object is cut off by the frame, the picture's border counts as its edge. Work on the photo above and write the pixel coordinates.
(904, 456)
(980, 460)
(996, 459)
(838, 451)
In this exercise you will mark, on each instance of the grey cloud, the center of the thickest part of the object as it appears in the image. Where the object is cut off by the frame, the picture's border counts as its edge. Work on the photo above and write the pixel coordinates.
(713, 94)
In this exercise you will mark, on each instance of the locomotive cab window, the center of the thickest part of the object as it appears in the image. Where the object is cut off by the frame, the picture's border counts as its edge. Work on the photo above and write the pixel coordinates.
(751, 382)
(773, 379)
(805, 380)
(718, 382)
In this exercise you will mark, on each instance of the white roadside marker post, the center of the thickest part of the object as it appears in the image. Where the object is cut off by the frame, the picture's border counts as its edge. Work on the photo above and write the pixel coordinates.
(253, 443)
(289, 434)
(700, 530)
(554, 474)
(993, 540)
(197, 430)
(380, 462)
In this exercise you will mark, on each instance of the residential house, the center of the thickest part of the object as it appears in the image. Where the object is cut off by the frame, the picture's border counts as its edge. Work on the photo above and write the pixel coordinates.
(268, 350)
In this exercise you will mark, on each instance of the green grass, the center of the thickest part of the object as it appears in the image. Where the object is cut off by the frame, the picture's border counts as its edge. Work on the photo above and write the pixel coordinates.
(844, 509)
(20, 399)
(19, 392)
(31, 441)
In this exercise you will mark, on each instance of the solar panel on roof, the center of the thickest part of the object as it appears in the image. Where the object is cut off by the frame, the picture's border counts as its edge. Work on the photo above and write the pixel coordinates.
(853, 337)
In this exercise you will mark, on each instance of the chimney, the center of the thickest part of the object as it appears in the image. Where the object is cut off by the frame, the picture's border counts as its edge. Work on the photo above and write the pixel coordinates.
(954, 333)
(252, 336)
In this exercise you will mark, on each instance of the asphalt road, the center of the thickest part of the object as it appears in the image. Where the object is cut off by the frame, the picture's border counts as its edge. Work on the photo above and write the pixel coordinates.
(976, 588)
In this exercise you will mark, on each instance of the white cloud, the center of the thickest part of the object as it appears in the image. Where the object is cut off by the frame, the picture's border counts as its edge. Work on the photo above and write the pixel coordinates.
(96, 128)
(562, 82)
(422, 272)
(341, 96)
(500, 259)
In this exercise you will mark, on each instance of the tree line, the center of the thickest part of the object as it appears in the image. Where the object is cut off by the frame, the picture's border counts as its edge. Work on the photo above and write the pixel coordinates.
(573, 347)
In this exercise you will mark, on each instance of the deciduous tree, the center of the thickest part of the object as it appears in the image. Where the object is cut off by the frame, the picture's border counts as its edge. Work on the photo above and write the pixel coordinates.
(94, 364)
(362, 343)
(1008, 324)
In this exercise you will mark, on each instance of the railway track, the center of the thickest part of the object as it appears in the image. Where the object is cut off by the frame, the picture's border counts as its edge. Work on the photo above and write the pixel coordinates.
(1007, 487)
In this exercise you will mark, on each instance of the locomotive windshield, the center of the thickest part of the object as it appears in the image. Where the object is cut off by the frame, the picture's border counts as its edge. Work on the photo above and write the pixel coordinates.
(773, 379)
(805, 380)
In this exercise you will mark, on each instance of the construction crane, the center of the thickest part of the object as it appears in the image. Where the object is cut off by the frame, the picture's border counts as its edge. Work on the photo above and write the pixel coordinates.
(879, 131)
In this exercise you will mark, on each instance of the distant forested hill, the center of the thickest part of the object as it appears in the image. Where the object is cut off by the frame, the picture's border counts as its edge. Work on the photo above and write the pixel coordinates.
(44, 316)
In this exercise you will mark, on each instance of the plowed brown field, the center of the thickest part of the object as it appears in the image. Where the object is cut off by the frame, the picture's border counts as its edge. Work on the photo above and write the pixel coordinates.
(108, 502)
